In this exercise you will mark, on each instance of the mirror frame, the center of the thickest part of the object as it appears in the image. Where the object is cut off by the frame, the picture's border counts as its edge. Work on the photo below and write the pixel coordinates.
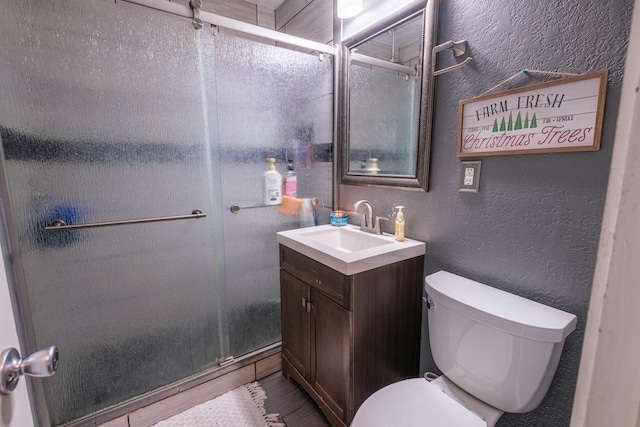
(425, 116)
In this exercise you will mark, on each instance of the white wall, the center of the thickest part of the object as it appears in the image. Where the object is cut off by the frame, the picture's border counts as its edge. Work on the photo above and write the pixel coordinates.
(608, 391)
(14, 408)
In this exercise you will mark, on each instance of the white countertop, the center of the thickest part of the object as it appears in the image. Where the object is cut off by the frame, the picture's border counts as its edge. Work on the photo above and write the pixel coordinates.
(323, 244)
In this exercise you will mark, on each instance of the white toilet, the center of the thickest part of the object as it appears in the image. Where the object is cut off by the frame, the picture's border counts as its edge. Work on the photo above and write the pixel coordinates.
(498, 353)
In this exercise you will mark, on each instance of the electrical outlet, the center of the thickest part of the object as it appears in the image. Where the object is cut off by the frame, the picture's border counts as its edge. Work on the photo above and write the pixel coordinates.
(470, 176)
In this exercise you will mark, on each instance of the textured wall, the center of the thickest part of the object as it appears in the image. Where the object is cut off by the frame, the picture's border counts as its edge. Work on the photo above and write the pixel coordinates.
(533, 228)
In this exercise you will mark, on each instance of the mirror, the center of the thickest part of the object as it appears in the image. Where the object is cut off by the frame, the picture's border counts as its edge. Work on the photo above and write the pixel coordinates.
(385, 100)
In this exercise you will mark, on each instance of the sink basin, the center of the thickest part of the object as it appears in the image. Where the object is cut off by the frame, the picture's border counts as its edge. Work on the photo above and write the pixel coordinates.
(345, 239)
(347, 249)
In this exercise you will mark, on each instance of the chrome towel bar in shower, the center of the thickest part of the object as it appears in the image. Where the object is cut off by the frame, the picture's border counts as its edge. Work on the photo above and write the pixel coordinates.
(60, 225)
(235, 208)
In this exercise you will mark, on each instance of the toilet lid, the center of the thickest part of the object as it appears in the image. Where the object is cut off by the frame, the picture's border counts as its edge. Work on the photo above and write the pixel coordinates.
(413, 403)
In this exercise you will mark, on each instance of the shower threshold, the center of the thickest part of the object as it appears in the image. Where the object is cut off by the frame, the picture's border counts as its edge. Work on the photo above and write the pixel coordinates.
(165, 402)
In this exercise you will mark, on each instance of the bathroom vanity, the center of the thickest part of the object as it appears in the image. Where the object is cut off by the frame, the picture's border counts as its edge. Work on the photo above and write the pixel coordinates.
(344, 336)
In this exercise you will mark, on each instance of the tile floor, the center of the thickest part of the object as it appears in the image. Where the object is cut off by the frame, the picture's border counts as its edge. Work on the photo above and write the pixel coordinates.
(295, 407)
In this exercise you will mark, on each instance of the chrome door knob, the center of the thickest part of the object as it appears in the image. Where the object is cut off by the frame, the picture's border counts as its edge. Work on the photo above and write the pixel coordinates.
(42, 363)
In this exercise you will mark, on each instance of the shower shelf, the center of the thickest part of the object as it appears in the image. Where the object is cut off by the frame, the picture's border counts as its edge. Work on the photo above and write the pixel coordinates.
(60, 225)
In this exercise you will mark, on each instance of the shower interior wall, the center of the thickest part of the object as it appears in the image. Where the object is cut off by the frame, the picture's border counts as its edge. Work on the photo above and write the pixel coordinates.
(112, 112)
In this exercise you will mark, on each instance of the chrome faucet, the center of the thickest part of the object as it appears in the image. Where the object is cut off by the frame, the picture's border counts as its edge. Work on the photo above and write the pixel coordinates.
(367, 223)
(367, 217)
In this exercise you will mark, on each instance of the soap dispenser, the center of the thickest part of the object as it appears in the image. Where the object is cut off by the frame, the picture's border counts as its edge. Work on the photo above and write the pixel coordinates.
(272, 184)
(399, 229)
(290, 182)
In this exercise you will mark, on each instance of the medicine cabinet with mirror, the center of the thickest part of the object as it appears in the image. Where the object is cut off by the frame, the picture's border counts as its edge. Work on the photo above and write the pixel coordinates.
(385, 100)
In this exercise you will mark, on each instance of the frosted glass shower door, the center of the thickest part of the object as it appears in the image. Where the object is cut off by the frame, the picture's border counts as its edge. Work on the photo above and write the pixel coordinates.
(111, 112)
(101, 119)
(271, 102)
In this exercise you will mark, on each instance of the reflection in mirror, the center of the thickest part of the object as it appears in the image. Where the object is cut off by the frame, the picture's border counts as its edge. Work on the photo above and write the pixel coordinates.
(385, 100)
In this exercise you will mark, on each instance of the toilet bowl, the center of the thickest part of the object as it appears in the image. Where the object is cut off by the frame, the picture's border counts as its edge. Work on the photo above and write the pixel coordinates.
(498, 353)
(419, 403)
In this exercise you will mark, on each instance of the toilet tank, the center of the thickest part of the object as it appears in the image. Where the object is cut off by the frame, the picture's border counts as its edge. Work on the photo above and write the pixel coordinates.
(499, 347)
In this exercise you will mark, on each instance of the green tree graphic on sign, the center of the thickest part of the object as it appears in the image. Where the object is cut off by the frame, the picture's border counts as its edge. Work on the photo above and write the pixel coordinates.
(518, 124)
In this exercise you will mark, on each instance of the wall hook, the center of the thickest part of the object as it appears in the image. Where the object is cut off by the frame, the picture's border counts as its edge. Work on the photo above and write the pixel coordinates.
(458, 48)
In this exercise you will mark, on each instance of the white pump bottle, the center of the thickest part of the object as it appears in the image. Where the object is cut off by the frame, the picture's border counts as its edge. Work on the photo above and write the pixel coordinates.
(272, 184)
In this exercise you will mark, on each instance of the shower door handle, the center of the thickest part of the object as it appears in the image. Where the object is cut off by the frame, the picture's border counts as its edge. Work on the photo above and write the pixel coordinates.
(42, 363)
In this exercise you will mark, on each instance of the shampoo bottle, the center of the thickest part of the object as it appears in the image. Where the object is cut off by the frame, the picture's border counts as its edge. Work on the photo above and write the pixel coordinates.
(399, 224)
(272, 184)
(290, 182)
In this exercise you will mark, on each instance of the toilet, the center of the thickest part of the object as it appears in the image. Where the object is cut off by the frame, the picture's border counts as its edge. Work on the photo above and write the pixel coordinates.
(498, 353)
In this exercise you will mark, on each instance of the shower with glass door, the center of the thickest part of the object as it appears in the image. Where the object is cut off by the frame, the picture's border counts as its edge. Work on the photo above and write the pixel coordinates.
(127, 135)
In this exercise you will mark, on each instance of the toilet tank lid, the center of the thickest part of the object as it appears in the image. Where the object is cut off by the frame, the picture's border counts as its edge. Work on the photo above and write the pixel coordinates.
(502, 310)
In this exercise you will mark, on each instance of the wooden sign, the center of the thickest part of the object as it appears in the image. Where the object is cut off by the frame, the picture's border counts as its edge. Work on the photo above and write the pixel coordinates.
(563, 115)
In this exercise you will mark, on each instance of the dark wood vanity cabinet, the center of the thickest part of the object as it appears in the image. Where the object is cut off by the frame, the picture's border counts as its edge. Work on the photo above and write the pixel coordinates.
(344, 337)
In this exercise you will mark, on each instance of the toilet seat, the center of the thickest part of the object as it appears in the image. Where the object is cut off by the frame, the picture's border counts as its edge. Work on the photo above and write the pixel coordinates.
(414, 403)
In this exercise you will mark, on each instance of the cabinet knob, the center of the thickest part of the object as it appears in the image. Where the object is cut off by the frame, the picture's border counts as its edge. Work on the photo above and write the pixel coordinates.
(306, 304)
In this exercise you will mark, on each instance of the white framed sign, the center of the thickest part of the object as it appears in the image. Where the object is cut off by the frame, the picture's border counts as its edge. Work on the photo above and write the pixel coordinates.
(558, 116)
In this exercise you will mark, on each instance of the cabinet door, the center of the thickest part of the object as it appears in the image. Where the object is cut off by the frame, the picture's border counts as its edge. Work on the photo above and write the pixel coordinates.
(296, 328)
(332, 326)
